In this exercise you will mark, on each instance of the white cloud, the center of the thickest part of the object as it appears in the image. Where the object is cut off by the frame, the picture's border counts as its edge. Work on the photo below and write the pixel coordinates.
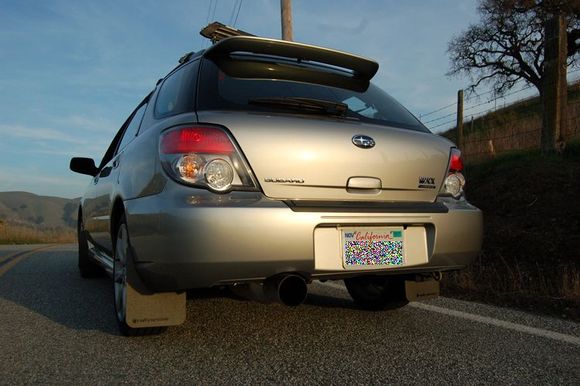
(82, 123)
(38, 134)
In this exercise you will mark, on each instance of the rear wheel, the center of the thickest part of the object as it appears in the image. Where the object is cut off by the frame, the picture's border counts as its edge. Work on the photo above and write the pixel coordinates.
(377, 292)
(121, 283)
(87, 267)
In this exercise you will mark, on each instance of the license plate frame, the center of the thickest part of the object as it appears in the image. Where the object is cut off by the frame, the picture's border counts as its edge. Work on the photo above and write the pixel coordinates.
(372, 247)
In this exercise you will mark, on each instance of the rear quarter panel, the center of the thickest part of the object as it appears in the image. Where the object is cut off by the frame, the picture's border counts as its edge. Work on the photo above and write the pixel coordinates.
(141, 173)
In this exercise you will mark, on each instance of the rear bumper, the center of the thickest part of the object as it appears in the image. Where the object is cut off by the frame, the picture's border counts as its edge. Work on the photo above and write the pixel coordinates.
(186, 238)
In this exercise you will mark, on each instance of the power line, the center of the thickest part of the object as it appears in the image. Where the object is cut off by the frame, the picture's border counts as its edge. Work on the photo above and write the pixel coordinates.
(231, 19)
(212, 17)
(208, 11)
(202, 42)
(213, 12)
(238, 13)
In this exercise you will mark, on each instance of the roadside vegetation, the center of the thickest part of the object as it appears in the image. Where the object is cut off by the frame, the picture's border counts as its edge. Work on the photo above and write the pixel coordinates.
(25, 234)
(531, 249)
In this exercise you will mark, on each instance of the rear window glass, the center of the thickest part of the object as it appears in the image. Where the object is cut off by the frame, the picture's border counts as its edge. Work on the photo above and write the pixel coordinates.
(219, 91)
(177, 91)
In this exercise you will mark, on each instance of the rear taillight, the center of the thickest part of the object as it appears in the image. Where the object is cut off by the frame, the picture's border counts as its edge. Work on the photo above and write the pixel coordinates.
(209, 140)
(205, 156)
(456, 161)
(455, 181)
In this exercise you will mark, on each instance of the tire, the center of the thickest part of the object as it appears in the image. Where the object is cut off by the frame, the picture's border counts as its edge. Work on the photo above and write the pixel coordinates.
(88, 268)
(377, 292)
(120, 282)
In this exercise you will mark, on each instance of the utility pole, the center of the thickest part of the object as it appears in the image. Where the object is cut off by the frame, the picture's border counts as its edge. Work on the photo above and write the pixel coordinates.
(286, 14)
(555, 88)
(459, 125)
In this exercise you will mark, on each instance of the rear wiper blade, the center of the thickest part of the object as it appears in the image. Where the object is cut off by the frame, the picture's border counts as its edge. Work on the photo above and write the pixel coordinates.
(305, 104)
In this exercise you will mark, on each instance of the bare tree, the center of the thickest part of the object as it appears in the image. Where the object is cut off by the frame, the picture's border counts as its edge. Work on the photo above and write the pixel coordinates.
(507, 45)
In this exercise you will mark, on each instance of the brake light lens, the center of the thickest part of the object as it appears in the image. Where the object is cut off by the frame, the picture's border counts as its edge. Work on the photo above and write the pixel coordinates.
(456, 163)
(455, 181)
(206, 157)
(209, 140)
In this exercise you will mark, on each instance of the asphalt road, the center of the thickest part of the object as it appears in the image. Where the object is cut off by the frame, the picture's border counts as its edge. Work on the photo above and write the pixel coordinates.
(56, 328)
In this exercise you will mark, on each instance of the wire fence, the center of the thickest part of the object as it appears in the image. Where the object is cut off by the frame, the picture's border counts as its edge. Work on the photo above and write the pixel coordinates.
(476, 107)
(494, 126)
(515, 128)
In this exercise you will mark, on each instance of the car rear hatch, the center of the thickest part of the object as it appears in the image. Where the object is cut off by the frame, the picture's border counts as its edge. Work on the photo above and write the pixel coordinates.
(298, 113)
(300, 158)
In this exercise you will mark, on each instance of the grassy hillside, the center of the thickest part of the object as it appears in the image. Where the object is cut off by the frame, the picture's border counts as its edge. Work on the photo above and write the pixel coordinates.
(45, 211)
(531, 250)
(514, 127)
(27, 218)
(521, 109)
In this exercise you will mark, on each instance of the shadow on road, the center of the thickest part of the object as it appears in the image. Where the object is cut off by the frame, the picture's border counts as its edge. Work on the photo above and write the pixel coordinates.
(48, 283)
(327, 301)
(48, 310)
(314, 298)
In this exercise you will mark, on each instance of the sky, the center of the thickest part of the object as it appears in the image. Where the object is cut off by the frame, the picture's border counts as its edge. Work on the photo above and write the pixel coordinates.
(73, 70)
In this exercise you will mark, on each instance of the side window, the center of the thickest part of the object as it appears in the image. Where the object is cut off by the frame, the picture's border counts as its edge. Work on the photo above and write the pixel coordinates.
(110, 153)
(177, 91)
(132, 127)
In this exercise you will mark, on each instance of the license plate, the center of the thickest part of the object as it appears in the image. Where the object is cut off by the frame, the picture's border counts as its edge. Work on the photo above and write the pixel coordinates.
(379, 247)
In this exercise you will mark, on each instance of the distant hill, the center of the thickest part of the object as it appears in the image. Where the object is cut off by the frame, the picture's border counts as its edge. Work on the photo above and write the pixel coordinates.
(42, 212)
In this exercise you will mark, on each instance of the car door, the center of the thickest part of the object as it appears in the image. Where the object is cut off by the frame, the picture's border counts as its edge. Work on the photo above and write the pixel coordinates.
(98, 213)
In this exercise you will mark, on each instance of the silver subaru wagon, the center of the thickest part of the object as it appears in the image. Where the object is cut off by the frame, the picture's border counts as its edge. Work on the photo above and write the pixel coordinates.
(260, 166)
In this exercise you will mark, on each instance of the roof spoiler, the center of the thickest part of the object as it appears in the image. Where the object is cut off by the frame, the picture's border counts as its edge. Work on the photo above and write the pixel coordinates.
(361, 68)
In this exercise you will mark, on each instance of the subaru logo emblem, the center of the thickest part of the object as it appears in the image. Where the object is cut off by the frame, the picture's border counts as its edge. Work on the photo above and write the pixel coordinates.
(363, 141)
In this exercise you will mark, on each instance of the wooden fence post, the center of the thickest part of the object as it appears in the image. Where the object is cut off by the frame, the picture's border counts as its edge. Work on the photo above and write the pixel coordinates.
(460, 119)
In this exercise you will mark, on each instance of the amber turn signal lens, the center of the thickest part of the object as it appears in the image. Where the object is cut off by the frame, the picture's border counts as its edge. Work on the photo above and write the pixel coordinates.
(189, 166)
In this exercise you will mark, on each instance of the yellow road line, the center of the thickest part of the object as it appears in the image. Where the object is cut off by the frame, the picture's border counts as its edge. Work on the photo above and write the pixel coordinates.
(9, 256)
(8, 262)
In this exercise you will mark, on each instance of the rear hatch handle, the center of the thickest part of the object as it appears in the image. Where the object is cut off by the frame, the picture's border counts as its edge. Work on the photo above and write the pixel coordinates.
(364, 185)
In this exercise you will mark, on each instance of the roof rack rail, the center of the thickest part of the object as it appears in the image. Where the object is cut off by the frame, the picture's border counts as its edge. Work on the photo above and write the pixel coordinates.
(217, 31)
